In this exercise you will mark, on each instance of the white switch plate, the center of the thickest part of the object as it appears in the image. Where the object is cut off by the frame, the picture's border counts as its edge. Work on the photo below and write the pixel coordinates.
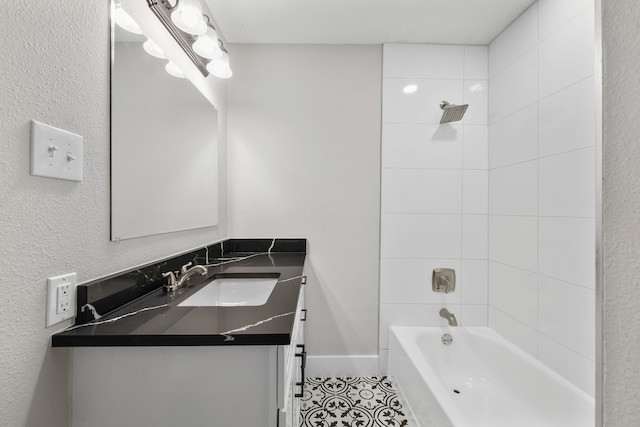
(55, 153)
(61, 298)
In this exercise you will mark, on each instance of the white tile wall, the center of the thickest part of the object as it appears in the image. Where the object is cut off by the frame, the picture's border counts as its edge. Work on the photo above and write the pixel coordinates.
(515, 87)
(513, 240)
(514, 189)
(413, 145)
(567, 55)
(434, 185)
(514, 138)
(516, 40)
(542, 186)
(567, 184)
(506, 196)
(566, 118)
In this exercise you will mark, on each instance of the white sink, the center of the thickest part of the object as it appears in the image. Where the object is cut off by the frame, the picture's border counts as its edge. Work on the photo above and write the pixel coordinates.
(232, 292)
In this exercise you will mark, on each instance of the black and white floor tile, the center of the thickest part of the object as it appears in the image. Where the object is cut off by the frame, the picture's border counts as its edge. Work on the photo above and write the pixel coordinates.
(352, 402)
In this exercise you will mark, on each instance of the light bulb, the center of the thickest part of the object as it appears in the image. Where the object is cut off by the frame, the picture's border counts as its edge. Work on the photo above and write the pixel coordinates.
(174, 70)
(207, 45)
(153, 49)
(220, 67)
(188, 17)
(124, 20)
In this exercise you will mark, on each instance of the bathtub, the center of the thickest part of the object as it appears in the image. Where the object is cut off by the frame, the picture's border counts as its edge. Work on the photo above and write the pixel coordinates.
(481, 380)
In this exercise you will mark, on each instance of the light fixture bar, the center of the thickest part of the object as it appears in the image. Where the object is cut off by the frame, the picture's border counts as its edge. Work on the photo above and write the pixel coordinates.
(162, 9)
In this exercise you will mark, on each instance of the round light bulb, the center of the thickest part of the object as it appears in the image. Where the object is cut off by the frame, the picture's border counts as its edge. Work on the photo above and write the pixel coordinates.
(188, 17)
(174, 70)
(220, 67)
(207, 45)
(124, 20)
(153, 49)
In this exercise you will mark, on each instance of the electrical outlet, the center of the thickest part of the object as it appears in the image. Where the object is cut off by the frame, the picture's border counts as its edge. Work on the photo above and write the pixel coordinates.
(61, 298)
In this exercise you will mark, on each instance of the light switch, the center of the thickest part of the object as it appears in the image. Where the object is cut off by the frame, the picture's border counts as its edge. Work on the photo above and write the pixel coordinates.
(55, 153)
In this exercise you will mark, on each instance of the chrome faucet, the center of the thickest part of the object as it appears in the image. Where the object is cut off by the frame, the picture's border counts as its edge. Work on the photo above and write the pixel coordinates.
(185, 272)
(449, 316)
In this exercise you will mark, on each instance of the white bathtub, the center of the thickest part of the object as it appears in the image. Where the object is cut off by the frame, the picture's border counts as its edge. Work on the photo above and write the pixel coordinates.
(481, 380)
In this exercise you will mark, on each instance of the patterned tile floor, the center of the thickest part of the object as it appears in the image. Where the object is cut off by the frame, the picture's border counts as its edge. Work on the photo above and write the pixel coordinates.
(352, 402)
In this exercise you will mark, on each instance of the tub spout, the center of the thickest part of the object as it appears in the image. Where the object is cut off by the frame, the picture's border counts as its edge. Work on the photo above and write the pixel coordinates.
(449, 316)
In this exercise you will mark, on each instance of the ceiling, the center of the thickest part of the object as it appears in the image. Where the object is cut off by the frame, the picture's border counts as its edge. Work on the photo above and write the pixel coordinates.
(364, 21)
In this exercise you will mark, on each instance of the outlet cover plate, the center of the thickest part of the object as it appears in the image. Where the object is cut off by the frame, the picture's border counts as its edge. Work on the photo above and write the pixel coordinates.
(55, 153)
(53, 296)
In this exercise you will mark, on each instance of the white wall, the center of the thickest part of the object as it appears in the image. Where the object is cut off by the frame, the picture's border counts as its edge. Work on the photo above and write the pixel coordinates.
(621, 204)
(434, 186)
(55, 68)
(542, 186)
(304, 153)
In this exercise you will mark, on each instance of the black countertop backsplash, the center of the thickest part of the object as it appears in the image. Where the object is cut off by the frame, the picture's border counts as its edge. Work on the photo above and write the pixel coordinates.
(140, 313)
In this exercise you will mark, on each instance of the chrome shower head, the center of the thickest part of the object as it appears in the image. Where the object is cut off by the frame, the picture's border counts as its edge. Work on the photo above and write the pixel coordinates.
(452, 113)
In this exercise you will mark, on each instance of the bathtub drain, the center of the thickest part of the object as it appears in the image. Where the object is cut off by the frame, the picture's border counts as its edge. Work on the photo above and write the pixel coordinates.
(447, 339)
(456, 391)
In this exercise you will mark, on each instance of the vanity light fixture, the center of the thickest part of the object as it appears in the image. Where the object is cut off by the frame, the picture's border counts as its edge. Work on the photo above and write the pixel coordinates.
(195, 34)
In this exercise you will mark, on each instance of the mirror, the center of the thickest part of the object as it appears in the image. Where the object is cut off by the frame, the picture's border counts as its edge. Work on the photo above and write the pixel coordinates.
(164, 173)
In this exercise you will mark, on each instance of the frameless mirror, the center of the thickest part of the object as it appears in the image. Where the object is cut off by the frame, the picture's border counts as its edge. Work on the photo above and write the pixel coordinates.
(164, 174)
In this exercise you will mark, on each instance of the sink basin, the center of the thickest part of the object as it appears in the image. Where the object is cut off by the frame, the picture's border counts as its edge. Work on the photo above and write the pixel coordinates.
(232, 292)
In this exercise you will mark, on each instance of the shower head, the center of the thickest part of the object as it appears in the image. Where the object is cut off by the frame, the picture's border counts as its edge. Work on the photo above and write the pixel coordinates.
(452, 113)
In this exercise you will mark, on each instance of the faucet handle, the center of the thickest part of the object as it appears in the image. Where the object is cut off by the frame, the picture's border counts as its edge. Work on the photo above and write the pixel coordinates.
(172, 277)
(185, 267)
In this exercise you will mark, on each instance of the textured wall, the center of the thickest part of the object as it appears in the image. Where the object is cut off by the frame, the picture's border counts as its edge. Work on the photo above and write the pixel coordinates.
(55, 69)
(304, 153)
(621, 204)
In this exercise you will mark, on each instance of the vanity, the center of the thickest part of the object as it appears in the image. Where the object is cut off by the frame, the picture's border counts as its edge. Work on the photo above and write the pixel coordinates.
(225, 349)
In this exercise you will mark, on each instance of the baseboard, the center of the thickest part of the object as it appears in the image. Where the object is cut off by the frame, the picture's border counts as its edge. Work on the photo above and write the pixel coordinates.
(341, 366)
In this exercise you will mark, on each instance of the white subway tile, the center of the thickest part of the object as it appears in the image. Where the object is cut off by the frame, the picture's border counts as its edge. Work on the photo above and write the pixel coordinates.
(553, 14)
(567, 119)
(514, 292)
(422, 191)
(513, 190)
(408, 145)
(473, 281)
(423, 61)
(567, 56)
(473, 315)
(421, 236)
(475, 192)
(513, 241)
(516, 40)
(567, 314)
(409, 281)
(476, 62)
(575, 368)
(476, 94)
(475, 236)
(515, 87)
(567, 249)
(516, 332)
(475, 147)
(421, 106)
(514, 138)
(567, 184)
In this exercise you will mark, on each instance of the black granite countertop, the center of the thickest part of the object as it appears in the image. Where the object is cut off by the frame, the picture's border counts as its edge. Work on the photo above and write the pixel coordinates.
(155, 319)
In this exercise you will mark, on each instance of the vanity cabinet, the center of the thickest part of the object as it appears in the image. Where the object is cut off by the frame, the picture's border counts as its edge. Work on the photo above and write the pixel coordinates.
(228, 385)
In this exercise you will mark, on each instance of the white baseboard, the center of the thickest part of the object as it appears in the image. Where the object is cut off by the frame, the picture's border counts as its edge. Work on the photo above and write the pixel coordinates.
(342, 366)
